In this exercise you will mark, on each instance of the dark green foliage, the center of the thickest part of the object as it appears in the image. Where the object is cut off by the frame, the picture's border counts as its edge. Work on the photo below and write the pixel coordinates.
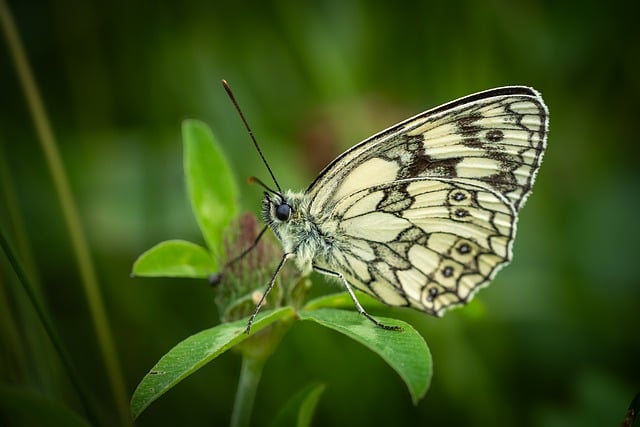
(550, 343)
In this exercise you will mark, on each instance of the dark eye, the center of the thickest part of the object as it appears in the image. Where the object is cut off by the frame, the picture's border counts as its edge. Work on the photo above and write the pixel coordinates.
(283, 211)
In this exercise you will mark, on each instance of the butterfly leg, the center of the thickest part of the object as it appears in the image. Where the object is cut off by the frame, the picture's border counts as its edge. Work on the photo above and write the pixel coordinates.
(266, 292)
(359, 307)
(216, 278)
(248, 249)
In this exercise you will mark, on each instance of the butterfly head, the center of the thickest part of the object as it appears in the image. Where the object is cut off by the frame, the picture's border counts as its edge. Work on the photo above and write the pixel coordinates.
(285, 215)
(276, 209)
(283, 211)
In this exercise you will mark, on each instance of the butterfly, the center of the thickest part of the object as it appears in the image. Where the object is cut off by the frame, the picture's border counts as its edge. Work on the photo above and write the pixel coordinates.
(422, 214)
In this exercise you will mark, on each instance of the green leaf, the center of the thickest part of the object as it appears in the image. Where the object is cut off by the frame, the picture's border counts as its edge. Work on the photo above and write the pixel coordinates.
(298, 411)
(210, 183)
(175, 258)
(632, 419)
(342, 300)
(194, 352)
(405, 351)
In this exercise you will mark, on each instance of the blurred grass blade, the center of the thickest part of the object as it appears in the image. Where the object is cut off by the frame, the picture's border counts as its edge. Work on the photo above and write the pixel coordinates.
(48, 326)
(211, 186)
(69, 210)
(299, 410)
(20, 406)
(194, 352)
(405, 351)
(175, 258)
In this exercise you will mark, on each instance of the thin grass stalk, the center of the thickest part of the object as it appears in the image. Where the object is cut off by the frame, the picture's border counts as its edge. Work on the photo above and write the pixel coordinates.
(70, 212)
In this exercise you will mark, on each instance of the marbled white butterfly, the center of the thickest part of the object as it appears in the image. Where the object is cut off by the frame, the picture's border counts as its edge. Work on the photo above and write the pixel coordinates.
(422, 214)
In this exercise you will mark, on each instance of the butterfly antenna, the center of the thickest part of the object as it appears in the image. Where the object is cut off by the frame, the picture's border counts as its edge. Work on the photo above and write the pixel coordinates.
(255, 143)
(253, 179)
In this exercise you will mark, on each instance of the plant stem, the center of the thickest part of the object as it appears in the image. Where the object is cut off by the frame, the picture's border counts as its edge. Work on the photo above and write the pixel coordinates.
(250, 374)
(70, 212)
(47, 324)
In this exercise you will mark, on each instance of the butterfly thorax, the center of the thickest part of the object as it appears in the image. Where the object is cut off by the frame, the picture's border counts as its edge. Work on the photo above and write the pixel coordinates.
(310, 239)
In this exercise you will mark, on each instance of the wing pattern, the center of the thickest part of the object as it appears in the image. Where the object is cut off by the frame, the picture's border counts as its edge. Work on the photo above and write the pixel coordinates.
(496, 137)
(424, 214)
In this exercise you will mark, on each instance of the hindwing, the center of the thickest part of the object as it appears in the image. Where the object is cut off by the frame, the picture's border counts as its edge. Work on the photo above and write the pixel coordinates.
(447, 241)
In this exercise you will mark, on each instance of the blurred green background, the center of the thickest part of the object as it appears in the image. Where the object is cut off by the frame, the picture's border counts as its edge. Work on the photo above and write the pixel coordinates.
(552, 342)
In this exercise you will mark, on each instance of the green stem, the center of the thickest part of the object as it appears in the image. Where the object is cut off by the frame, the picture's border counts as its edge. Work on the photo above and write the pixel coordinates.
(250, 374)
(47, 324)
(69, 210)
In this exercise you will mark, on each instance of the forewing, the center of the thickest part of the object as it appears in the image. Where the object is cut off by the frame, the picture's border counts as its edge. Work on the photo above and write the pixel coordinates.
(428, 244)
(495, 138)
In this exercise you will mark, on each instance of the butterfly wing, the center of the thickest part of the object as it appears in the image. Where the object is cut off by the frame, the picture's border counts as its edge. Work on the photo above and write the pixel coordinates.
(424, 213)
(449, 241)
(496, 137)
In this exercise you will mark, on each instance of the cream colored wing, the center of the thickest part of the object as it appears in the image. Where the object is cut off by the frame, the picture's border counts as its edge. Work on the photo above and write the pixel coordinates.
(494, 138)
(427, 244)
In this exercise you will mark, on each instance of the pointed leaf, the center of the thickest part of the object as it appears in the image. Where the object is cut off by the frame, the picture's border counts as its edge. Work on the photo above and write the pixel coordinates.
(194, 352)
(405, 351)
(175, 258)
(210, 183)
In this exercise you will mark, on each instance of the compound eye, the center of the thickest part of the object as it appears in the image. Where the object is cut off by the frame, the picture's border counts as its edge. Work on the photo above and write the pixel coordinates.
(283, 211)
